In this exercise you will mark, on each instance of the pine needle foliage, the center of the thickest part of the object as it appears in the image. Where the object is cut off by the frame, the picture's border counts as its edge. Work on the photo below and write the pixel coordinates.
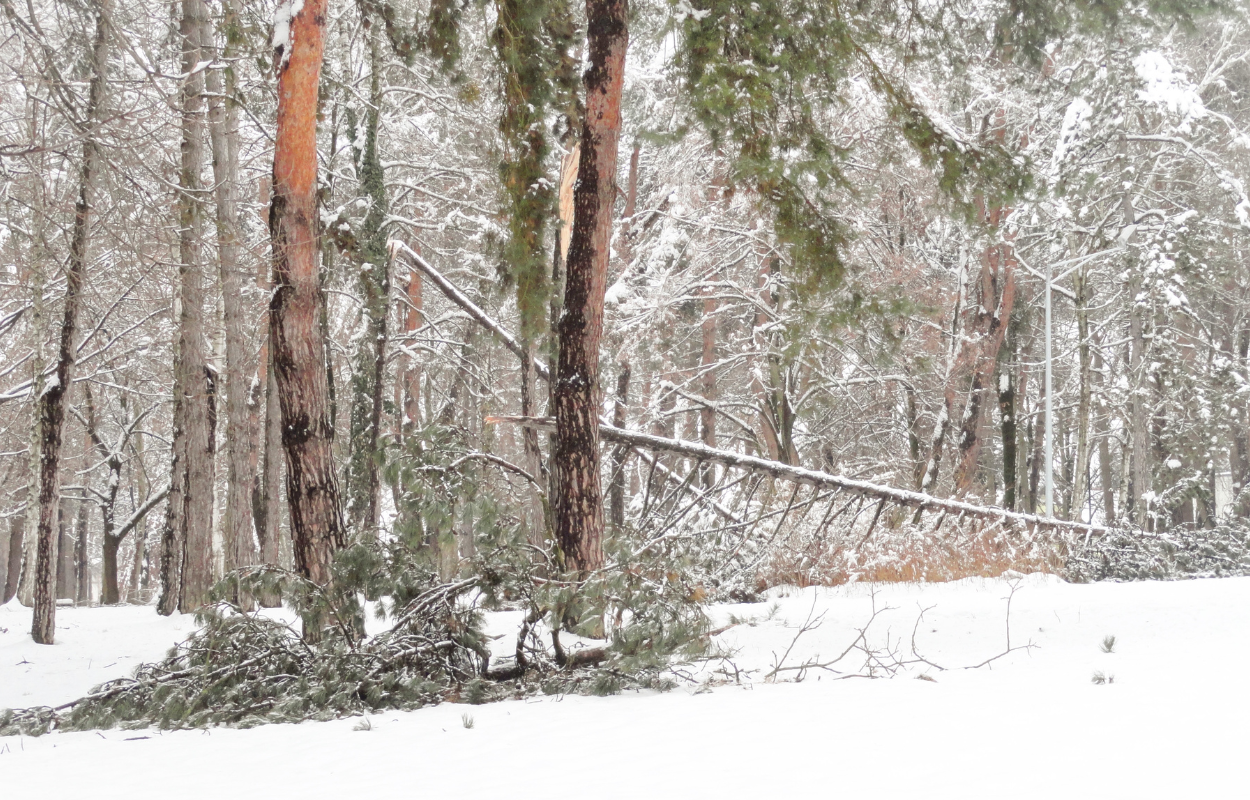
(243, 670)
(763, 77)
(643, 614)
(1180, 552)
(534, 41)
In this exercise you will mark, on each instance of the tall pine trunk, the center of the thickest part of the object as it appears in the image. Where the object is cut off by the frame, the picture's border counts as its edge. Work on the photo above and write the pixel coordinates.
(223, 127)
(996, 290)
(1080, 469)
(616, 488)
(1102, 432)
(579, 504)
(82, 541)
(50, 413)
(296, 340)
(1007, 415)
(12, 565)
(192, 540)
(269, 519)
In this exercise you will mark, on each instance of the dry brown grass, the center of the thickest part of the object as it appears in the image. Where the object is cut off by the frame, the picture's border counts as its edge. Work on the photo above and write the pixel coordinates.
(908, 555)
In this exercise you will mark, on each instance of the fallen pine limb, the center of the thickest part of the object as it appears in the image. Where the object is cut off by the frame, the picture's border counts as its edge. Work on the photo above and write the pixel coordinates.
(900, 497)
(413, 259)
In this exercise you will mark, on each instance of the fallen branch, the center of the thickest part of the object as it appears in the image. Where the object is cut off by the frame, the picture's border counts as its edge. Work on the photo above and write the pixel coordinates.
(901, 497)
(458, 297)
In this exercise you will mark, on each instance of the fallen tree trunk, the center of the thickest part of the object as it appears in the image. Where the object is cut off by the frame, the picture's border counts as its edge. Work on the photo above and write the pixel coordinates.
(901, 497)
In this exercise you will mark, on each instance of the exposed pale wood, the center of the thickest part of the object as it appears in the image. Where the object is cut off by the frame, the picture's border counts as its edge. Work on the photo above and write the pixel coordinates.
(414, 259)
(297, 342)
(578, 499)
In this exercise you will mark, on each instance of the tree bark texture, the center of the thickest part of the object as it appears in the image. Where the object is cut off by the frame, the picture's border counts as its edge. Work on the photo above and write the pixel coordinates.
(297, 344)
(82, 590)
(616, 488)
(269, 516)
(1007, 415)
(51, 403)
(175, 511)
(196, 554)
(223, 126)
(12, 563)
(65, 550)
(110, 541)
(137, 569)
(579, 506)
(412, 366)
(942, 426)
(1080, 470)
(991, 315)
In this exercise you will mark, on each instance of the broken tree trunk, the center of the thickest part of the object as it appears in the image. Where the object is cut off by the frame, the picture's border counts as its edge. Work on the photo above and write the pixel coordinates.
(296, 340)
(578, 500)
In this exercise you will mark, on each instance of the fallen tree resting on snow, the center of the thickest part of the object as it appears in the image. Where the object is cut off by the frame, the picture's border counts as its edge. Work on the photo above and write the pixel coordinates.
(886, 495)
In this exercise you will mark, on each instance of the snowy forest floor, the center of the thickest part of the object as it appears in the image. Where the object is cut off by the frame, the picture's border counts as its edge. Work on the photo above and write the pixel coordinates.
(1031, 724)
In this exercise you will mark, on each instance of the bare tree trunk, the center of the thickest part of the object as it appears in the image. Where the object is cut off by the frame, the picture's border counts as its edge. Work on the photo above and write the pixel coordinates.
(13, 562)
(82, 543)
(1007, 414)
(7, 536)
(412, 367)
(1102, 432)
(51, 404)
(1080, 469)
(616, 489)
(707, 383)
(297, 344)
(1036, 440)
(141, 530)
(109, 594)
(271, 522)
(1139, 430)
(373, 480)
(941, 428)
(579, 506)
(190, 371)
(625, 246)
(997, 292)
(175, 512)
(761, 388)
(913, 435)
(569, 166)
(65, 549)
(110, 541)
(223, 126)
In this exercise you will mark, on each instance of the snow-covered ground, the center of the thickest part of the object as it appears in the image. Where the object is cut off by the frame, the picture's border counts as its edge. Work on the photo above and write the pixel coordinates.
(1032, 724)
